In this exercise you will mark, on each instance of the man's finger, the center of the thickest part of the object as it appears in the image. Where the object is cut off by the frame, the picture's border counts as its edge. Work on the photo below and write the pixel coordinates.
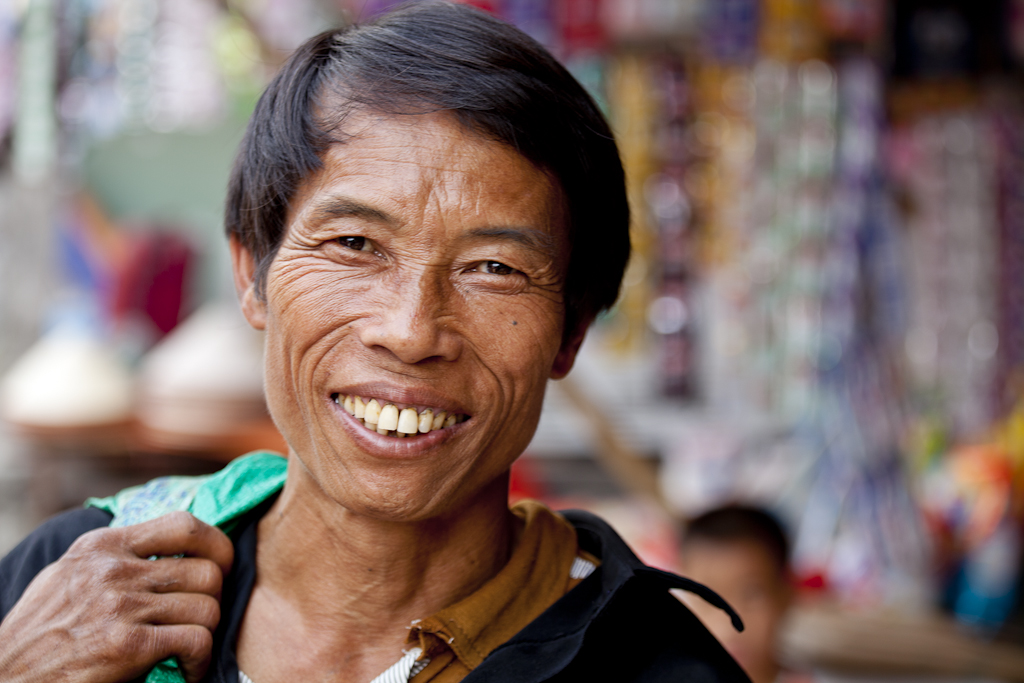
(191, 644)
(185, 575)
(180, 608)
(179, 533)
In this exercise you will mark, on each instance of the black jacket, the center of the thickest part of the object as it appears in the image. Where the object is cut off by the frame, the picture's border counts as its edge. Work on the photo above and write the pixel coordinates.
(618, 624)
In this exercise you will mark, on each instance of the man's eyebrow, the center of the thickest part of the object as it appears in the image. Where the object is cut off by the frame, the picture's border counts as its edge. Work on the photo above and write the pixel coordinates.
(343, 207)
(537, 240)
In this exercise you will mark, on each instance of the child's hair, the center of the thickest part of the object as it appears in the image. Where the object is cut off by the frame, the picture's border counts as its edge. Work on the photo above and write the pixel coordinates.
(741, 523)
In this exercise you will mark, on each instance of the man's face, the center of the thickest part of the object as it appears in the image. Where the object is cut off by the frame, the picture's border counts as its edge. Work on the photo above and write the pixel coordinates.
(422, 268)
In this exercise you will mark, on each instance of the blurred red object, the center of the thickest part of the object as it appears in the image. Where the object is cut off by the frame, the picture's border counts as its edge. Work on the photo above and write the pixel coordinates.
(492, 6)
(581, 25)
(525, 481)
(151, 282)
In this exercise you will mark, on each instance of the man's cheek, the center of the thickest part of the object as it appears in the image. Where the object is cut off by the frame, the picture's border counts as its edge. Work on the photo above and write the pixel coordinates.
(527, 332)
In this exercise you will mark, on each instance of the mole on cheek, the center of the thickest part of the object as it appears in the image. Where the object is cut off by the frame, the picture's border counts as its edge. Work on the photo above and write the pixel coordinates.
(514, 322)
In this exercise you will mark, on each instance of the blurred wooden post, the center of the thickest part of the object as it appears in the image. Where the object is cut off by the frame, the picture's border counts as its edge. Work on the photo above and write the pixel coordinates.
(632, 470)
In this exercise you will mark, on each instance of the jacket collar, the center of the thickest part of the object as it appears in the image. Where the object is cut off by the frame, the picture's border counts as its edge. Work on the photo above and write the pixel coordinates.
(550, 643)
(598, 538)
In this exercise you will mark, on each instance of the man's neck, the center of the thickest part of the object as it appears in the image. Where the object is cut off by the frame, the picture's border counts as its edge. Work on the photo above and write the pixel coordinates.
(350, 585)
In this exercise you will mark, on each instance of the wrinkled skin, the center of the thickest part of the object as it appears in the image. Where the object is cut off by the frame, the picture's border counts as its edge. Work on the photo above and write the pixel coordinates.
(104, 612)
(454, 299)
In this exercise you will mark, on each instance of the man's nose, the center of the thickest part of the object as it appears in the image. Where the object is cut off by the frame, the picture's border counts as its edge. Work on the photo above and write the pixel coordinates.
(412, 320)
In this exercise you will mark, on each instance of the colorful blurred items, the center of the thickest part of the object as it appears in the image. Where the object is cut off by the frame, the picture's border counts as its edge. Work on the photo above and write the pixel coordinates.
(168, 66)
(670, 313)
(972, 504)
(982, 480)
(669, 316)
(729, 31)
(632, 108)
(35, 139)
(490, 6)
(283, 25)
(853, 20)
(1011, 434)
(136, 276)
(362, 11)
(91, 249)
(151, 284)
(365, 10)
(1008, 128)
(943, 164)
(789, 30)
(860, 530)
(534, 17)
(985, 589)
(87, 258)
(580, 26)
(237, 50)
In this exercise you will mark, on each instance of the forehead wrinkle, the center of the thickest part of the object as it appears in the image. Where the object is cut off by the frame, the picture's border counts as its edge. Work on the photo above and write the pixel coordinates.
(429, 174)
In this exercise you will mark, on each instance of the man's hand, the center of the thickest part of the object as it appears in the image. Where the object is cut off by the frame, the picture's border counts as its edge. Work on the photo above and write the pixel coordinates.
(105, 613)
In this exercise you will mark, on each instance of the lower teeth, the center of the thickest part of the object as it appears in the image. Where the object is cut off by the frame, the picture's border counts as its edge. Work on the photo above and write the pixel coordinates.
(395, 433)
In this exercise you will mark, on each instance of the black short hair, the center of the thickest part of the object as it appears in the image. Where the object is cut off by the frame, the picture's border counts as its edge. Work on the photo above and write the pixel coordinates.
(733, 523)
(429, 57)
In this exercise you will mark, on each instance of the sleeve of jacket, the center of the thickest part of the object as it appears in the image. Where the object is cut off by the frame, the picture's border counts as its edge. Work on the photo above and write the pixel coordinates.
(42, 547)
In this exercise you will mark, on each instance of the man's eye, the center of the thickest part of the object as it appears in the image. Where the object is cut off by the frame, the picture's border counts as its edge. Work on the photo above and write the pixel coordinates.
(356, 242)
(496, 268)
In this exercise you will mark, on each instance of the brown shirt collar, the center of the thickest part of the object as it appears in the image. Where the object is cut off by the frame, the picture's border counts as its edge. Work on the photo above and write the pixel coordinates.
(457, 638)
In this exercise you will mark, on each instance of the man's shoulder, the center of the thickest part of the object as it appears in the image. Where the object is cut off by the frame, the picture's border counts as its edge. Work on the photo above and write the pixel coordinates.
(620, 623)
(42, 547)
(644, 633)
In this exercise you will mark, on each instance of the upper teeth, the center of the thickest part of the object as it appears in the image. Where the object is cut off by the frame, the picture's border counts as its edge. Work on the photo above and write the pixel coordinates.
(391, 420)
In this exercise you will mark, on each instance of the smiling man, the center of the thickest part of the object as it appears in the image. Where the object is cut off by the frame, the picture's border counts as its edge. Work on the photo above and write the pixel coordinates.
(425, 216)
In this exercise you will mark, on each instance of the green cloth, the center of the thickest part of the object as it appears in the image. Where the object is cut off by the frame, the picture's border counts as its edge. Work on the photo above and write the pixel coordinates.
(218, 499)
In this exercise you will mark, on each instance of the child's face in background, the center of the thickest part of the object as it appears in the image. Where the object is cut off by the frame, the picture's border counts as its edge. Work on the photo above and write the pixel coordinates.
(744, 573)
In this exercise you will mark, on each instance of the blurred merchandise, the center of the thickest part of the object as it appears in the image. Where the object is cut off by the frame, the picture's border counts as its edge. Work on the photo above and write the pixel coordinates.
(945, 169)
(205, 378)
(973, 498)
(68, 379)
(1009, 143)
(826, 257)
(35, 136)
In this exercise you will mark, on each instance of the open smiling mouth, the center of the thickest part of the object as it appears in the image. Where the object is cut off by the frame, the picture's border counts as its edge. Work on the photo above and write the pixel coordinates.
(390, 420)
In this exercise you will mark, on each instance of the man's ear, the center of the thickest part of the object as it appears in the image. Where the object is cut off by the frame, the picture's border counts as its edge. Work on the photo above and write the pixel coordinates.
(243, 267)
(567, 354)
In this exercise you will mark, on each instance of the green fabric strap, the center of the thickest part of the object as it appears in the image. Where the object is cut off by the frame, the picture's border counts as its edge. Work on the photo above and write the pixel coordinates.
(218, 499)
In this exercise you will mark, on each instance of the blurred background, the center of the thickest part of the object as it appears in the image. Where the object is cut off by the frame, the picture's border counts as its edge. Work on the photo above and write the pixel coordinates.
(824, 316)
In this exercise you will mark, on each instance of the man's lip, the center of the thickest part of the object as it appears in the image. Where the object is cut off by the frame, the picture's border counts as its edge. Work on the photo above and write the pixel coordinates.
(402, 396)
